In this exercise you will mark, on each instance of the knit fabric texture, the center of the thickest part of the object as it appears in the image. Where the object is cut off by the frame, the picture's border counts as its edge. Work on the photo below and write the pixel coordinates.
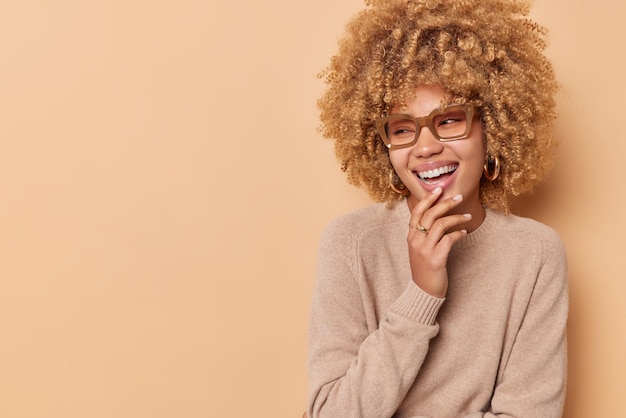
(381, 347)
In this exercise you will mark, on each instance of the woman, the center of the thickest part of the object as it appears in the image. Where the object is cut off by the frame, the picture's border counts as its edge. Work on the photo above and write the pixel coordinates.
(437, 302)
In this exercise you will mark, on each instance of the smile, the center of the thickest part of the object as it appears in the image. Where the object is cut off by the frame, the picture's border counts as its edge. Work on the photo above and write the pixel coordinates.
(437, 172)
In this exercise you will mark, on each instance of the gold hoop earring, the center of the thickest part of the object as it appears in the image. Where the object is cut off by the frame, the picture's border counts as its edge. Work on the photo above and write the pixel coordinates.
(401, 191)
(494, 161)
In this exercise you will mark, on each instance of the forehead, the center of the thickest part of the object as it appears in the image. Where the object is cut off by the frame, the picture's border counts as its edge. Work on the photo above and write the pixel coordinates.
(425, 99)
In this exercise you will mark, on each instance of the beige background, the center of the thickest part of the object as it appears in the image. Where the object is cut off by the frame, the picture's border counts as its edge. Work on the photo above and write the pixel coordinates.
(163, 188)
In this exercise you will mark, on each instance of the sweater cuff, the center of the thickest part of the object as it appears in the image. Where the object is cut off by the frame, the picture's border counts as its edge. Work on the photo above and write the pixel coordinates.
(417, 305)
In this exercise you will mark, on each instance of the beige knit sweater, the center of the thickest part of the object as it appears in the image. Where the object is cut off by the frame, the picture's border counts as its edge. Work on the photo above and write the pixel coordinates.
(494, 347)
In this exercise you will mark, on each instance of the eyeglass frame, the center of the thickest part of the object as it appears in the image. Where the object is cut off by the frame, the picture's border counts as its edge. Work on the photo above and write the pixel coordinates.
(468, 108)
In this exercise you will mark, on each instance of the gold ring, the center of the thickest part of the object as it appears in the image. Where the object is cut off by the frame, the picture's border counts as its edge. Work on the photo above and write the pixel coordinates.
(419, 227)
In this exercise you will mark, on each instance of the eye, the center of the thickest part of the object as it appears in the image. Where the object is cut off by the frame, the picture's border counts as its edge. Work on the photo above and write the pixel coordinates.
(450, 118)
(400, 127)
(401, 131)
(451, 124)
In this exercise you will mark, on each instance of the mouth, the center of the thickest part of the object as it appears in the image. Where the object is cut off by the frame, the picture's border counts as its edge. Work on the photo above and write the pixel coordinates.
(436, 174)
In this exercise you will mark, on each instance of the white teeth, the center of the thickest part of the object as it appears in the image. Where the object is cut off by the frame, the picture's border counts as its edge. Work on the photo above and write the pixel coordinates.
(429, 174)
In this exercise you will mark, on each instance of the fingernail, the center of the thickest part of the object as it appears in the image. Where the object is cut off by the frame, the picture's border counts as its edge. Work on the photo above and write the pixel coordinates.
(437, 190)
(467, 215)
(464, 231)
(457, 197)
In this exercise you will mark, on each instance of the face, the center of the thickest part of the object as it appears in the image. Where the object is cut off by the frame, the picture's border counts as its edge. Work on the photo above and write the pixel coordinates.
(455, 166)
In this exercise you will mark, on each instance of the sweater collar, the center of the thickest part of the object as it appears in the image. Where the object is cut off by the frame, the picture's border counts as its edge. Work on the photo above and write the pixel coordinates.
(401, 210)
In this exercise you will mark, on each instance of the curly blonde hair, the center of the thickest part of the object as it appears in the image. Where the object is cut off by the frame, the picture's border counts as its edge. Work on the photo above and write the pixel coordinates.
(485, 52)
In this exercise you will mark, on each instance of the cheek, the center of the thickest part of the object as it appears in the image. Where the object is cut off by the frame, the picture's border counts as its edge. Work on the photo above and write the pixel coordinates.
(399, 160)
(475, 148)
(476, 158)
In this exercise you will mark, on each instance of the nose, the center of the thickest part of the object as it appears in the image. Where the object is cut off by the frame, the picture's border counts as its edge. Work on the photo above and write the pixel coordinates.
(427, 144)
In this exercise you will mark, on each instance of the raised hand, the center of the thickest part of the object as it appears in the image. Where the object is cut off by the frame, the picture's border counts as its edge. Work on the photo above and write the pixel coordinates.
(432, 232)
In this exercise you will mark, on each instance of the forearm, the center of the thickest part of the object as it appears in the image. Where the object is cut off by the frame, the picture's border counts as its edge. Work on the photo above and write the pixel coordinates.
(367, 374)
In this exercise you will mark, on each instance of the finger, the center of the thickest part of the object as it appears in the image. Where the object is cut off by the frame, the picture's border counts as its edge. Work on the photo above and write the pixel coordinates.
(446, 242)
(424, 204)
(435, 246)
(439, 210)
(443, 226)
(438, 258)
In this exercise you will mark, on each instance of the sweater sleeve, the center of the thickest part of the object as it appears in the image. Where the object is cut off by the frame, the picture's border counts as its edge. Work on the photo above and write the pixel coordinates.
(533, 381)
(355, 371)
